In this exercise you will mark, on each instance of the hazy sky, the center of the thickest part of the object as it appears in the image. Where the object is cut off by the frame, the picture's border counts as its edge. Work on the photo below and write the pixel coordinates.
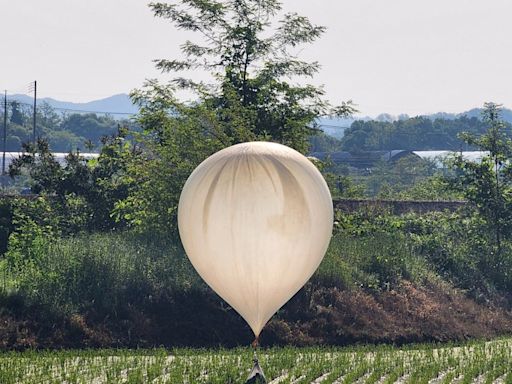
(395, 56)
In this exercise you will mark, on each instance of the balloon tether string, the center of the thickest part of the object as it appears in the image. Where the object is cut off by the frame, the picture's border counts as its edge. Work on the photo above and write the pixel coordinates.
(255, 344)
(256, 375)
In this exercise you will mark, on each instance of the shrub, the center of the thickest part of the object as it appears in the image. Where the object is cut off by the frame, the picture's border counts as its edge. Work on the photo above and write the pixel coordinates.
(376, 261)
(6, 225)
(104, 272)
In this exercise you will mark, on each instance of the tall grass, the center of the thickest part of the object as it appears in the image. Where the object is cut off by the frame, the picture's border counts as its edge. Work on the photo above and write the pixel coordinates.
(109, 270)
(103, 271)
(377, 261)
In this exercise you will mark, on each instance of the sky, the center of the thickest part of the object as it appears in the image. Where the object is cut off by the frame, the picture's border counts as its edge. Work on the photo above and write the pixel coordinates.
(392, 56)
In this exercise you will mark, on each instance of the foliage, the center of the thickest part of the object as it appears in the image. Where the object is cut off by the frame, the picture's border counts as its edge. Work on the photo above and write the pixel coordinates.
(343, 186)
(63, 132)
(6, 224)
(452, 245)
(252, 98)
(433, 188)
(251, 59)
(89, 126)
(378, 261)
(397, 175)
(488, 183)
(16, 114)
(35, 223)
(78, 196)
(105, 273)
(322, 142)
(172, 146)
(82, 189)
(409, 178)
(418, 133)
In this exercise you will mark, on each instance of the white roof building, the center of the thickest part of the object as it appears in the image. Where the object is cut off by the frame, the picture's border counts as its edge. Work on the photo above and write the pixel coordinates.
(438, 157)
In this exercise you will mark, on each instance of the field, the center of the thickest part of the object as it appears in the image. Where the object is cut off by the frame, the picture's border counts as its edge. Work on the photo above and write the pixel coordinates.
(489, 362)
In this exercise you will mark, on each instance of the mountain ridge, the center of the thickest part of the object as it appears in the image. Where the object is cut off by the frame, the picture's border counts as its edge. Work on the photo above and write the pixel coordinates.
(118, 105)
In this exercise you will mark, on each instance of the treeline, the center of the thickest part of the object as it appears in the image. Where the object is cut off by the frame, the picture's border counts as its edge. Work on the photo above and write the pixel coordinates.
(417, 133)
(84, 131)
(63, 132)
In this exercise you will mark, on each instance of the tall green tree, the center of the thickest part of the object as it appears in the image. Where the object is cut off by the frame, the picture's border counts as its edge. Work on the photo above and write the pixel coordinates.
(90, 126)
(253, 61)
(254, 94)
(488, 183)
(16, 113)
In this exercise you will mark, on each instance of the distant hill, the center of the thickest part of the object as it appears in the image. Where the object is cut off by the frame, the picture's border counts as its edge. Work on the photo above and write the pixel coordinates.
(118, 106)
(506, 114)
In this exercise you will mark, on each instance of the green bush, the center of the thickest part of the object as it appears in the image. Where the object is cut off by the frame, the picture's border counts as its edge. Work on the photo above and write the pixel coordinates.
(382, 249)
(104, 272)
(375, 261)
(109, 272)
(6, 225)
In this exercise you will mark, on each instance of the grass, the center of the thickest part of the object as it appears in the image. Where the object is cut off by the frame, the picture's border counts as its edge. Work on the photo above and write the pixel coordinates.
(376, 261)
(482, 362)
(69, 274)
(126, 290)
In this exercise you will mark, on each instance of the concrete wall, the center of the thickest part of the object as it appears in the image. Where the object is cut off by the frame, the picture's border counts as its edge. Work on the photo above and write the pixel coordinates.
(397, 207)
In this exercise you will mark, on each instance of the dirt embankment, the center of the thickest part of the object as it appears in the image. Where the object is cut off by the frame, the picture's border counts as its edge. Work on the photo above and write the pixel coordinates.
(405, 315)
(316, 315)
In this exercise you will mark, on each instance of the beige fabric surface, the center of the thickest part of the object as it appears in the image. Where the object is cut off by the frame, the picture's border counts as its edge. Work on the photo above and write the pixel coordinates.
(255, 220)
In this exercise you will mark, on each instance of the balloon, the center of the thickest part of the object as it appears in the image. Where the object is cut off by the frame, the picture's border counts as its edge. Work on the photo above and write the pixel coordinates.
(255, 220)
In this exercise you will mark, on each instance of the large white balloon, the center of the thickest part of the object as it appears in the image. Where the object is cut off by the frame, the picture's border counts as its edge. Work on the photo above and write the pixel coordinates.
(255, 220)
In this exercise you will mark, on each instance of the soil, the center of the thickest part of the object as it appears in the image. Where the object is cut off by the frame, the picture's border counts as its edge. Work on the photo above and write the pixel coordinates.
(314, 316)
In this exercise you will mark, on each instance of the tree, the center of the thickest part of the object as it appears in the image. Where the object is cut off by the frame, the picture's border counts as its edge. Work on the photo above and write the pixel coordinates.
(323, 142)
(488, 184)
(252, 61)
(16, 114)
(89, 126)
(47, 117)
(417, 133)
(81, 190)
(387, 179)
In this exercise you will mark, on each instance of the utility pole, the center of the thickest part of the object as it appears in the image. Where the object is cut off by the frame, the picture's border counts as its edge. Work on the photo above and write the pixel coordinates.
(35, 98)
(5, 132)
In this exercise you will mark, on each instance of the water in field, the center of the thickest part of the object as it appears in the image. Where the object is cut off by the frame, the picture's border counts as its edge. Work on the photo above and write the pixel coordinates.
(489, 362)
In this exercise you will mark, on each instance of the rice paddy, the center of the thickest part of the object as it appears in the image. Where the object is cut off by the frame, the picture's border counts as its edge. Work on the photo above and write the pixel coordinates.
(476, 362)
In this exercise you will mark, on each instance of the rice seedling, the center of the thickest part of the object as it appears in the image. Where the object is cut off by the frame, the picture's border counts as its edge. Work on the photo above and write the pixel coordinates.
(475, 362)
